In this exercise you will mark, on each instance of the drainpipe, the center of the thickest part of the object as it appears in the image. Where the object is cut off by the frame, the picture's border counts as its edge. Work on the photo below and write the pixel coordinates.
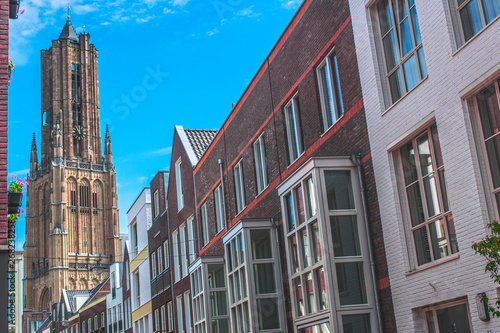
(356, 160)
(221, 164)
(275, 225)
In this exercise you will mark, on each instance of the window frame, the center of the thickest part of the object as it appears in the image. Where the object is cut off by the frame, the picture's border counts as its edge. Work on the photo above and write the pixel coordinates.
(239, 186)
(396, 42)
(154, 268)
(166, 252)
(156, 203)
(180, 316)
(176, 254)
(260, 159)
(333, 91)
(170, 317)
(191, 248)
(292, 108)
(204, 222)
(434, 308)
(219, 208)
(184, 259)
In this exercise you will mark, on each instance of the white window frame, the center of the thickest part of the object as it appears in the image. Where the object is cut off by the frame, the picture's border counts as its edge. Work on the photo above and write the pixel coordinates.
(191, 240)
(187, 311)
(330, 91)
(259, 151)
(102, 320)
(178, 181)
(184, 259)
(442, 306)
(180, 319)
(137, 289)
(239, 185)
(159, 255)
(293, 129)
(153, 264)
(204, 221)
(177, 262)
(166, 253)
(156, 202)
(170, 317)
(163, 319)
(219, 208)
(157, 320)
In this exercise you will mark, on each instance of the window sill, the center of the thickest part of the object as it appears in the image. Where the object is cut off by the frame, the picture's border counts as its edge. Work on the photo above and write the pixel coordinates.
(263, 190)
(433, 264)
(475, 36)
(329, 128)
(403, 97)
(298, 157)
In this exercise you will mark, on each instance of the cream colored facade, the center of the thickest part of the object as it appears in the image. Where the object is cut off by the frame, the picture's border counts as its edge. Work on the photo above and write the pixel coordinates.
(72, 206)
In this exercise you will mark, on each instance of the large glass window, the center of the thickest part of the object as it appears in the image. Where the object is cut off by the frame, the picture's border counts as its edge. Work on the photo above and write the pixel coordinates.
(204, 222)
(175, 246)
(293, 130)
(330, 92)
(239, 185)
(487, 105)
(428, 209)
(197, 287)
(180, 317)
(450, 317)
(191, 240)
(178, 182)
(259, 151)
(471, 16)
(402, 49)
(219, 208)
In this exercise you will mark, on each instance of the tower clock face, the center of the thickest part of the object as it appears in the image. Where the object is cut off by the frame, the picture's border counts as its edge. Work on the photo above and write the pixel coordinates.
(79, 132)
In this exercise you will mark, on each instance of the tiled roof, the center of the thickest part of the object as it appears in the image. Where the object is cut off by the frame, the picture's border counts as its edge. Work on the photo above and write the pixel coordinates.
(45, 324)
(200, 140)
(71, 299)
(68, 32)
(94, 292)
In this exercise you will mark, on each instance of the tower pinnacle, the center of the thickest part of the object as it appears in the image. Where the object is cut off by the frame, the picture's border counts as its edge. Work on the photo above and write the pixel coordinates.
(34, 155)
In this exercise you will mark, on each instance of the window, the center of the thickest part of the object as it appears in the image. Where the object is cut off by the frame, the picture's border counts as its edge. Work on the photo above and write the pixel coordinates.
(153, 265)
(327, 247)
(175, 245)
(110, 321)
(170, 317)
(166, 251)
(156, 203)
(113, 285)
(191, 249)
(127, 276)
(239, 186)
(428, 209)
(197, 286)
(89, 326)
(180, 320)
(163, 319)
(293, 130)
(219, 208)
(137, 290)
(120, 323)
(133, 231)
(401, 47)
(159, 254)
(487, 107)
(96, 323)
(453, 316)
(259, 152)
(183, 256)
(178, 179)
(187, 311)
(471, 16)
(83, 327)
(157, 321)
(330, 93)
(204, 221)
(103, 323)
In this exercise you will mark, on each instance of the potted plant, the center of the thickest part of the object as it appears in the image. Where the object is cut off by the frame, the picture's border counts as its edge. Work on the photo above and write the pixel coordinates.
(17, 187)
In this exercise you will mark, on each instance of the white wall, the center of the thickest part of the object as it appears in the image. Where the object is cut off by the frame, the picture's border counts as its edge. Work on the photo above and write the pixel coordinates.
(449, 74)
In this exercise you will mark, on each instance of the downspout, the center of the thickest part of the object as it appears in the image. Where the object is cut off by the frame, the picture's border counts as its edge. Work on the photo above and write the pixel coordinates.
(355, 160)
(273, 221)
(221, 164)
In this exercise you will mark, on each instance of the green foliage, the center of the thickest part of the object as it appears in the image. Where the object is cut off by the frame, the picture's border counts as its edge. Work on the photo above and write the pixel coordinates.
(489, 247)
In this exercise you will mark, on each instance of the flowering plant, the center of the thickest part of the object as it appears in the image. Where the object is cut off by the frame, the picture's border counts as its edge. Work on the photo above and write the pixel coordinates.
(12, 68)
(15, 217)
(17, 184)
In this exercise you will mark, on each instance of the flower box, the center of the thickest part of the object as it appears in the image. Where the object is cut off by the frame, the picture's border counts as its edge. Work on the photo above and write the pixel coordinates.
(15, 201)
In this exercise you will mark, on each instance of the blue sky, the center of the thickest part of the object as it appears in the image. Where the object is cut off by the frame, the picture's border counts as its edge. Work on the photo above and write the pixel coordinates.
(204, 54)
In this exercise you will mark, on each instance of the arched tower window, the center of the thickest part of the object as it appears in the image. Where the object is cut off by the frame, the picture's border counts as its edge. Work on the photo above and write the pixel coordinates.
(84, 192)
(97, 194)
(73, 199)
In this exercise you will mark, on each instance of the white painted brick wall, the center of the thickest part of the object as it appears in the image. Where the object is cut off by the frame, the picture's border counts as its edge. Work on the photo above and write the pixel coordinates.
(448, 75)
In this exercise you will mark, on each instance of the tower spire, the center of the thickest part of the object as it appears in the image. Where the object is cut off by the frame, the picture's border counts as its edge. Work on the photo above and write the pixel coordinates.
(34, 155)
(108, 154)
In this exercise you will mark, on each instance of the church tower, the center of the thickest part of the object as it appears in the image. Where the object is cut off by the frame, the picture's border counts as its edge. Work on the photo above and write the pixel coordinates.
(72, 222)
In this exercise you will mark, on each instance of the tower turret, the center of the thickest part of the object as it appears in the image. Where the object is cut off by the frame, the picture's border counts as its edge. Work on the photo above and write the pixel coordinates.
(108, 154)
(34, 155)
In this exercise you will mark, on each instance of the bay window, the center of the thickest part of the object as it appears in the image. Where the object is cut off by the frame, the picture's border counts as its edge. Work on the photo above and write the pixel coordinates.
(331, 283)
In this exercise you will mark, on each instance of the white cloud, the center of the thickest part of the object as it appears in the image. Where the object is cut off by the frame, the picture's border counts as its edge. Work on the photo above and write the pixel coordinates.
(290, 4)
(19, 173)
(142, 179)
(84, 9)
(105, 23)
(179, 3)
(144, 19)
(168, 11)
(248, 12)
(160, 152)
(212, 32)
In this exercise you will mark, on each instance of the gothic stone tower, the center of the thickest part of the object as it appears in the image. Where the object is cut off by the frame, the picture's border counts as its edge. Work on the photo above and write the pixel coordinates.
(72, 206)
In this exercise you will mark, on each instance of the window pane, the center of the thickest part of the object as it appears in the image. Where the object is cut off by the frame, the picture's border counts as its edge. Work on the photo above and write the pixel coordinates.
(321, 328)
(304, 247)
(321, 283)
(430, 322)
(294, 249)
(415, 202)
(317, 255)
(299, 297)
(325, 84)
(261, 244)
(411, 72)
(453, 319)
(431, 195)
(356, 323)
(241, 249)
(264, 279)
(300, 204)
(290, 212)
(396, 85)
(471, 19)
(416, 26)
(339, 190)
(345, 236)
(409, 163)
(267, 309)
(310, 293)
(423, 64)
(351, 283)
(216, 276)
(452, 234)
(405, 33)
(243, 283)
(489, 111)
(424, 152)
(339, 110)
(390, 51)
(438, 239)
(218, 303)
(310, 198)
(491, 9)
(422, 246)
(219, 326)
(493, 151)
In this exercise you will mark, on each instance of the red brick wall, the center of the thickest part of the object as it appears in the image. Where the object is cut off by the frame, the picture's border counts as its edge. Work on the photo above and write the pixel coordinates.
(4, 87)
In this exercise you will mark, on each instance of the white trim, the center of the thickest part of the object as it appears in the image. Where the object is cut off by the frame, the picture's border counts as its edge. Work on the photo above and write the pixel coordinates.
(187, 146)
